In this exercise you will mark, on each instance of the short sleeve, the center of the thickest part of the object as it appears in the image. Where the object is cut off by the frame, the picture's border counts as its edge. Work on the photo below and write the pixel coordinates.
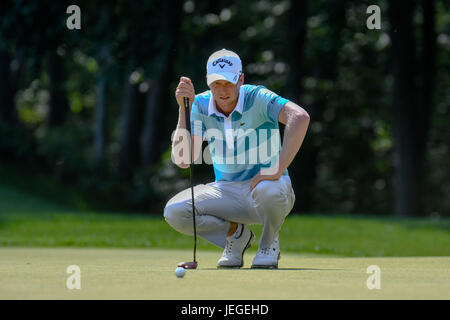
(272, 104)
(197, 124)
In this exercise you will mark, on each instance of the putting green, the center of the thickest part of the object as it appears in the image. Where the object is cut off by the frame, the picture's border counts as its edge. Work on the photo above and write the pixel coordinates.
(40, 273)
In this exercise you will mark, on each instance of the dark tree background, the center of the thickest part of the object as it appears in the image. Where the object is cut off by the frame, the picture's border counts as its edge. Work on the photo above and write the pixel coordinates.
(92, 111)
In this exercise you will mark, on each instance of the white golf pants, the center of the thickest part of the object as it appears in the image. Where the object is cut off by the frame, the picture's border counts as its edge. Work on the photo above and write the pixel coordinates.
(221, 202)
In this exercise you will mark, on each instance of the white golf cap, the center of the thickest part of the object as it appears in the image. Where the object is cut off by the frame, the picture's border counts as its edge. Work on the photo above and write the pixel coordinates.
(223, 65)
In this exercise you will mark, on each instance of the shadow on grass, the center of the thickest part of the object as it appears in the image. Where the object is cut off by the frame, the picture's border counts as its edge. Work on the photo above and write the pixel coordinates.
(279, 269)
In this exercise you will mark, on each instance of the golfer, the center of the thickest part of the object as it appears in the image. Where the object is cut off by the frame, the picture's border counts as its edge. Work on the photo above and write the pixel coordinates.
(252, 184)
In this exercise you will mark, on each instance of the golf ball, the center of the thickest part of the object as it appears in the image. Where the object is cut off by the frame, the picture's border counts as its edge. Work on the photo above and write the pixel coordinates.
(180, 272)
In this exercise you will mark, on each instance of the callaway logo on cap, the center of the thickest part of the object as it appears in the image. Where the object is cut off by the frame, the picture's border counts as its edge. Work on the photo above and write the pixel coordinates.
(223, 65)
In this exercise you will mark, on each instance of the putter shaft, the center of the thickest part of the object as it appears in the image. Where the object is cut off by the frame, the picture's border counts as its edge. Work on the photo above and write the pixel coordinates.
(191, 172)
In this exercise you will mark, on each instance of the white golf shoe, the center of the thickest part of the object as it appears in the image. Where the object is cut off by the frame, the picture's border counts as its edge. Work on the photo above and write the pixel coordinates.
(237, 243)
(267, 258)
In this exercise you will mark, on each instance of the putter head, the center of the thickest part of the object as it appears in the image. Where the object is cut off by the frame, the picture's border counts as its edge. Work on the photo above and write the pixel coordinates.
(188, 265)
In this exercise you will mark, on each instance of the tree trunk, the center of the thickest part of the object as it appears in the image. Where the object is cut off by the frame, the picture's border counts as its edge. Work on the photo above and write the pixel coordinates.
(6, 89)
(426, 107)
(303, 168)
(428, 66)
(151, 139)
(58, 106)
(131, 119)
(299, 170)
(409, 135)
(296, 43)
(154, 135)
(101, 109)
(100, 130)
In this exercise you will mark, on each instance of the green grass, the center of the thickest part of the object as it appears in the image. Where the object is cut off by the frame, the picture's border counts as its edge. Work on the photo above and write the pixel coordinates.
(133, 256)
(31, 221)
(40, 273)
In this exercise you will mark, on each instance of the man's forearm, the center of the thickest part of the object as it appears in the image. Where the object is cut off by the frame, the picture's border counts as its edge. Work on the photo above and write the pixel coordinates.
(179, 137)
(294, 134)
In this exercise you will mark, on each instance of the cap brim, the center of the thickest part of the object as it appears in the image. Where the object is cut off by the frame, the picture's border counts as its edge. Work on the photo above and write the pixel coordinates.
(227, 76)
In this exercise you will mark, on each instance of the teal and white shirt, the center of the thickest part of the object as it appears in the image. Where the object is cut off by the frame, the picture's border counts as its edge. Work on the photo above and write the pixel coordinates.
(246, 141)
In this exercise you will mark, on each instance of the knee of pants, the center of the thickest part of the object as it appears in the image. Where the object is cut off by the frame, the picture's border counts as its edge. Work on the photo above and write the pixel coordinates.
(274, 198)
(268, 192)
(179, 217)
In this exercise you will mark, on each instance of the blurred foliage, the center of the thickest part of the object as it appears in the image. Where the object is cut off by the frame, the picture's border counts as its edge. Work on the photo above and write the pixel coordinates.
(354, 135)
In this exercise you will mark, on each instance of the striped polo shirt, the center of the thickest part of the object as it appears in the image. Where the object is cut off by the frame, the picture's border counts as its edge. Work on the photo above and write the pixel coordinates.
(246, 141)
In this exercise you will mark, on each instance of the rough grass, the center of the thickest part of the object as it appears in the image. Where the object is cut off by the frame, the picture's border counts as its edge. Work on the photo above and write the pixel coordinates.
(31, 221)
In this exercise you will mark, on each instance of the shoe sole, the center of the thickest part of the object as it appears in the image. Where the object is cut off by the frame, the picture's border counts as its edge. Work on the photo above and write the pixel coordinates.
(262, 266)
(248, 245)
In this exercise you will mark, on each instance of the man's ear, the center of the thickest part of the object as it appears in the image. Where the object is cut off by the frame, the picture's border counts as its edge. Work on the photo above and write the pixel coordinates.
(241, 79)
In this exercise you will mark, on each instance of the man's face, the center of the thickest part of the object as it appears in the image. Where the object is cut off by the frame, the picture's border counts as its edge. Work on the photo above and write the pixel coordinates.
(226, 93)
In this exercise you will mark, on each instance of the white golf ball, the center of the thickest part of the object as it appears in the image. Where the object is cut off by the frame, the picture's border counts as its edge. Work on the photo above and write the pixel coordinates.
(180, 272)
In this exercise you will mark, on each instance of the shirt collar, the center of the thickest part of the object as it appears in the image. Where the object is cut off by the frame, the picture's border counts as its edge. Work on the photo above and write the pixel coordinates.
(239, 106)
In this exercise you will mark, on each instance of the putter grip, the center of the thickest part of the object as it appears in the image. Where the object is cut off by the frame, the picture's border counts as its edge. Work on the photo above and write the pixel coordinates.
(187, 114)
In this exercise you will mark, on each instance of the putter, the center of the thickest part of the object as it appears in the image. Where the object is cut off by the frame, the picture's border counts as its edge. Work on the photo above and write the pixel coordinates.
(190, 264)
